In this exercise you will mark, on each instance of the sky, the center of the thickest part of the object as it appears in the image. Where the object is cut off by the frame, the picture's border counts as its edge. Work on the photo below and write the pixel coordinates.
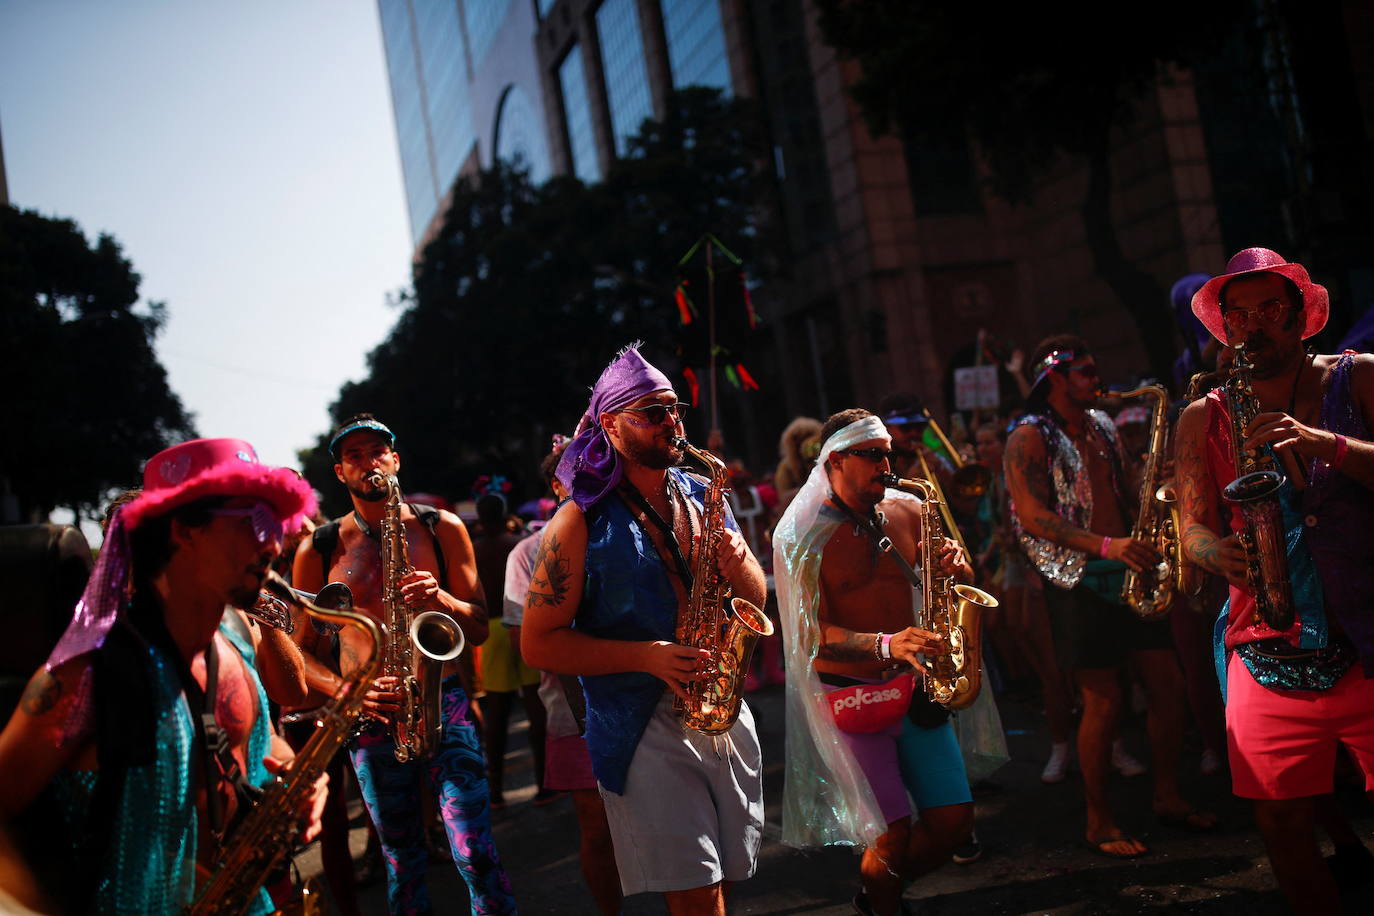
(244, 156)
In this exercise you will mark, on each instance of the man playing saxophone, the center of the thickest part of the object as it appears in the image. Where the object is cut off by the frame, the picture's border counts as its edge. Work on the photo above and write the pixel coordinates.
(1292, 694)
(1070, 508)
(443, 578)
(611, 578)
(148, 726)
(847, 608)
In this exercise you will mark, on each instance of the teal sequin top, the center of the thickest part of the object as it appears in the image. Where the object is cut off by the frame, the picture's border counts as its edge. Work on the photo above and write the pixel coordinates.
(149, 866)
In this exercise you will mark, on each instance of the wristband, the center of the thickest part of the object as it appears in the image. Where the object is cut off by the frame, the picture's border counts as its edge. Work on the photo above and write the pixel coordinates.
(1342, 446)
(1102, 551)
(886, 643)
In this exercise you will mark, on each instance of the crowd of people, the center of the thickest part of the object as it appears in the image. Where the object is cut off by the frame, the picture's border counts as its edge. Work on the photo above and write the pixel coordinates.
(902, 565)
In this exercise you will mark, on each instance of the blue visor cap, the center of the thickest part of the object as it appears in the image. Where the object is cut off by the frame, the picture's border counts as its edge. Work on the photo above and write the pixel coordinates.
(906, 418)
(375, 425)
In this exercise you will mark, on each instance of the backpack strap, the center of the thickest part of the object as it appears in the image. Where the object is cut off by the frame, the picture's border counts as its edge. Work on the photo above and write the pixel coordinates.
(430, 516)
(324, 539)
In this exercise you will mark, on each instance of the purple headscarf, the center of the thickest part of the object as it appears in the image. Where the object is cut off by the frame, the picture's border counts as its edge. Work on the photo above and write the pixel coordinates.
(590, 467)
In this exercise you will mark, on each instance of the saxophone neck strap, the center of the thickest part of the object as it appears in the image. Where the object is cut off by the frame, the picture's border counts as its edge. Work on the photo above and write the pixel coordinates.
(647, 511)
(872, 526)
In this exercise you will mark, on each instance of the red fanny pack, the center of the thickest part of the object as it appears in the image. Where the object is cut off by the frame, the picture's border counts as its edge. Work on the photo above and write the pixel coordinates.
(867, 708)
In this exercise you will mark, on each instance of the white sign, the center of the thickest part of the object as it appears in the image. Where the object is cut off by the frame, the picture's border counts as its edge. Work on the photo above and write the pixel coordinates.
(975, 386)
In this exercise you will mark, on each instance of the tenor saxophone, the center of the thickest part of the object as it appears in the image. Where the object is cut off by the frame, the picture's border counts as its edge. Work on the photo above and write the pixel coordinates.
(950, 609)
(714, 698)
(417, 645)
(1150, 592)
(1255, 492)
(269, 830)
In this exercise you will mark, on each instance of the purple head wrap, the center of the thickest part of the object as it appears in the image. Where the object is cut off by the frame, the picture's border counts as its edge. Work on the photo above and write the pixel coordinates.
(1181, 296)
(590, 467)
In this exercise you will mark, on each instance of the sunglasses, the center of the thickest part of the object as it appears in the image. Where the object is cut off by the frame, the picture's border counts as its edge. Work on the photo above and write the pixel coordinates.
(1089, 371)
(874, 454)
(655, 414)
(1240, 319)
(266, 526)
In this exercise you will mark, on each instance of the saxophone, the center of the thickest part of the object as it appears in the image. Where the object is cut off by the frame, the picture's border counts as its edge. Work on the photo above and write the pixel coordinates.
(268, 831)
(417, 645)
(1255, 493)
(1150, 593)
(714, 699)
(950, 609)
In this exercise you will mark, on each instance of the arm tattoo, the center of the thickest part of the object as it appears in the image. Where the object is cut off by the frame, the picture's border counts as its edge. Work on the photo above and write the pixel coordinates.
(42, 694)
(854, 647)
(551, 587)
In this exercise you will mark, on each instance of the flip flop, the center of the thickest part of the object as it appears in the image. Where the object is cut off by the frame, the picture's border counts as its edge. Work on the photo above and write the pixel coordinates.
(1191, 821)
(1100, 846)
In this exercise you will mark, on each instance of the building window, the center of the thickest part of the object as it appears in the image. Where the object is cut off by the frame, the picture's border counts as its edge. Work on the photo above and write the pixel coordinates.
(444, 66)
(484, 18)
(545, 6)
(696, 44)
(577, 111)
(520, 134)
(627, 78)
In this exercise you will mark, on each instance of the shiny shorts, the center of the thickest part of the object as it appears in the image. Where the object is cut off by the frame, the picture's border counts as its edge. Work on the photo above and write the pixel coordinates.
(1282, 743)
(925, 762)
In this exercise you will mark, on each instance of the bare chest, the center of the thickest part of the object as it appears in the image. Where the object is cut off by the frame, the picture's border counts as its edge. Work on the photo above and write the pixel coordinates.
(358, 562)
(864, 588)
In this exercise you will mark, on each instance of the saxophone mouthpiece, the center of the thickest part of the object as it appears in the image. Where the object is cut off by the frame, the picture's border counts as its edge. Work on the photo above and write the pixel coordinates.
(678, 442)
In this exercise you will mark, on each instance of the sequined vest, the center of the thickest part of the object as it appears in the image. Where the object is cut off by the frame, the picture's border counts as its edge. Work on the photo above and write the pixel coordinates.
(149, 865)
(1071, 497)
(626, 594)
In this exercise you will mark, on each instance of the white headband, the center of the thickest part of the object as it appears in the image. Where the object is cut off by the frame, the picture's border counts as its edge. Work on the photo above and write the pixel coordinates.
(868, 428)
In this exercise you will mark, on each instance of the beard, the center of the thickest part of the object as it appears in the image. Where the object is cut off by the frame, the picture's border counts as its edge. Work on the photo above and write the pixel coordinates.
(244, 597)
(373, 495)
(1269, 359)
(656, 455)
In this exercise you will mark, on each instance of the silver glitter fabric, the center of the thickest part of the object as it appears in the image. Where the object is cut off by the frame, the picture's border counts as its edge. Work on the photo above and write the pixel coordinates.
(1073, 499)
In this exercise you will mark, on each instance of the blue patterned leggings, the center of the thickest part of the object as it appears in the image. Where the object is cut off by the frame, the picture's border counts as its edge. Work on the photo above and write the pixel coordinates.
(457, 776)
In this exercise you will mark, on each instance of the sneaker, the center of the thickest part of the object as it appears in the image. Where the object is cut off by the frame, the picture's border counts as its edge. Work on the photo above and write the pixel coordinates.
(1211, 763)
(971, 851)
(1057, 767)
(1124, 763)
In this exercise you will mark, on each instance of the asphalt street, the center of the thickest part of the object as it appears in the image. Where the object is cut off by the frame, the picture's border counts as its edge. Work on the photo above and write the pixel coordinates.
(1034, 859)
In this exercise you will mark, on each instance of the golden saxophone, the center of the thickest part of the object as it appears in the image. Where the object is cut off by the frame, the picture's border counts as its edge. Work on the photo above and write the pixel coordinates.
(269, 830)
(1150, 593)
(714, 699)
(950, 609)
(1255, 492)
(417, 645)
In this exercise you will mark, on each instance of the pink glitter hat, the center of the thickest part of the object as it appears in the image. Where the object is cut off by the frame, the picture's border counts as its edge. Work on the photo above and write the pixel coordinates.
(217, 467)
(1207, 300)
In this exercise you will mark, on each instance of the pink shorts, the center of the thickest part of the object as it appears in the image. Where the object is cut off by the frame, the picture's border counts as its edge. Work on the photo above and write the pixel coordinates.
(567, 765)
(1282, 743)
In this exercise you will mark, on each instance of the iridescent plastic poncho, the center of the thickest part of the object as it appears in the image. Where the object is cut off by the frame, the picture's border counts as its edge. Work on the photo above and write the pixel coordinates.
(826, 798)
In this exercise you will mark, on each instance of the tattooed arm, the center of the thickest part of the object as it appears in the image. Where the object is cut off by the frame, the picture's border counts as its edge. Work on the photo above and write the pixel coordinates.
(1198, 508)
(32, 749)
(1028, 481)
(547, 638)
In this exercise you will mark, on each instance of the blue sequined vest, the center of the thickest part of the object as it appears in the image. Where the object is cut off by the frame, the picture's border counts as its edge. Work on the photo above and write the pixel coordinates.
(150, 864)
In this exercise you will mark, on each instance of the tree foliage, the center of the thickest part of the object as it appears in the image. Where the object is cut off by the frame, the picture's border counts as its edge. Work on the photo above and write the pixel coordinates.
(525, 294)
(1030, 84)
(89, 401)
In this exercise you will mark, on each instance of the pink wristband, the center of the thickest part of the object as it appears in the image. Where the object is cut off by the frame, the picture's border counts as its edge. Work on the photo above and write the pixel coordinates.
(1342, 446)
(887, 644)
(1102, 551)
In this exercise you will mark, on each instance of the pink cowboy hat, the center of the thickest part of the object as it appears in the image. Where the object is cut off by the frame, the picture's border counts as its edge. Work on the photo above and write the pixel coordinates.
(1207, 300)
(217, 467)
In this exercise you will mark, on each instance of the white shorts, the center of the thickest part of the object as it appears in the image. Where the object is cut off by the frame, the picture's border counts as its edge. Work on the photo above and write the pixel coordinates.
(692, 812)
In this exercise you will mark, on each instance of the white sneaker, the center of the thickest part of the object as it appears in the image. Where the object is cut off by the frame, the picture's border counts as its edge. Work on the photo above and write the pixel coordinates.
(1058, 765)
(1211, 763)
(1125, 764)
